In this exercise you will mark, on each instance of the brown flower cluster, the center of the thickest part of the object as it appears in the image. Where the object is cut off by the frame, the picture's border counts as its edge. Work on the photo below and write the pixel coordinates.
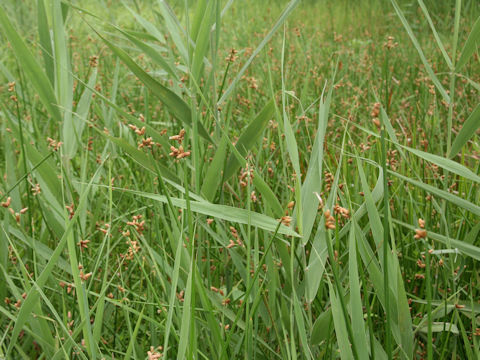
(133, 248)
(178, 153)
(237, 241)
(232, 56)
(341, 211)
(420, 233)
(329, 178)
(329, 220)
(139, 225)
(154, 354)
(375, 113)
(246, 175)
(93, 61)
(7, 203)
(286, 220)
(390, 43)
(138, 131)
(54, 144)
(146, 143)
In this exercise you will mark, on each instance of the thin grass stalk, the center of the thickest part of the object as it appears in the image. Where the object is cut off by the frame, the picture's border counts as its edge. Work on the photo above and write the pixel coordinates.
(429, 303)
(336, 279)
(386, 206)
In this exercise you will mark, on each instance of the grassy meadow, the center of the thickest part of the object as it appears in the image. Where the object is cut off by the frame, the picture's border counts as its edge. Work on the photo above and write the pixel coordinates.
(220, 179)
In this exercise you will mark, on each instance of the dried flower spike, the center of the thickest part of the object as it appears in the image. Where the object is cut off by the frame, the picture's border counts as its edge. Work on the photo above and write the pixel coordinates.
(329, 220)
(421, 223)
(420, 234)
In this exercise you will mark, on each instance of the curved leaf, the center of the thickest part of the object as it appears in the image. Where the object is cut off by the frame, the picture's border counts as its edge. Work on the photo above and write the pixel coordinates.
(468, 130)
(175, 104)
(31, 67)
(470, 46)
(249, 137)
(224, 212)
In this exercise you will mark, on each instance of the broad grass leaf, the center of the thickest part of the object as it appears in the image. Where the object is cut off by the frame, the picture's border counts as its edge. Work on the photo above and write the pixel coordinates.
(224, 212)
(458, 201)
(268, 195)
(415, 42)
(447, 164)
(249, 137)
(202, 39)
(322, 328)
(356, 308)
(175, 104)
(214, 174)
(470, 126)
(471, 45)
(340, 327)
(151, 52)
(45, 40)
(463, 247)
(316, 263)
(435, 34)
(174, 28)
(313, 178)
(29, 64)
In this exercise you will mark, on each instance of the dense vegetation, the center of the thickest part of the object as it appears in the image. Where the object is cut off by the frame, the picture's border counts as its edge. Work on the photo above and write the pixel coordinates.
(239, 179)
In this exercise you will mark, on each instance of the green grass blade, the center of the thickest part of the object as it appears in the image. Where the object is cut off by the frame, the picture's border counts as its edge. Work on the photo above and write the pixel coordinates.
(321, 328)
(214, 174)
(174, 28)
(313, 178)
(133, 338)
(31, 67)
(435, 34)
(468, 130)
(316, 264)
(288, 9)
(186, 316)
(249, 137)
(462, 246)
(202, 39)
(340, 327)
(415, 42)
(78, 124)
(147, 25)
(224, 212)
(447, 164)
(176, 105)
(358, 324)
(151, 52)
(470, 46)
(268, 195)
(45, 40)
(33, 295)
(373, 215)
(465, 204)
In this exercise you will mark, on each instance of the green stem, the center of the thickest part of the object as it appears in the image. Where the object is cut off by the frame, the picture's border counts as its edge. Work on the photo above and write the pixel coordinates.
(429, 306)
(336, 279)
(388, 341)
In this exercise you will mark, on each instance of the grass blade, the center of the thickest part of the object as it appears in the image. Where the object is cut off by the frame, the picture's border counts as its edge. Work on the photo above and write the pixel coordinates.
(249, 137)
(415, 42)
(176, 105)
(288, 9)
(470, 46)
(31, 67)
(224, 212)
(468, 130)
